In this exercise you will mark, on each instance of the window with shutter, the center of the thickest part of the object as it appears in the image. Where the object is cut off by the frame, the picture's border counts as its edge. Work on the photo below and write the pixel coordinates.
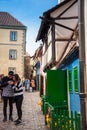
(75, 70)
(70, 80)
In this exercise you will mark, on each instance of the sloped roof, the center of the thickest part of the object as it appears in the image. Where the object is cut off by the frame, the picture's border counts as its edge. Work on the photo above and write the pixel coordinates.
(7, 20)
(63, 20)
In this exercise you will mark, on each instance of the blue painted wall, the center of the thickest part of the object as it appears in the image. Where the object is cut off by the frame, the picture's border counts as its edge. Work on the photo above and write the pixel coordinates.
(37, 75)
(37, 68)
(74, 96)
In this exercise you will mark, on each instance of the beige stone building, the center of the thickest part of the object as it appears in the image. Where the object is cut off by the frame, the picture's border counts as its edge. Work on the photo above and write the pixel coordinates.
(12, 44)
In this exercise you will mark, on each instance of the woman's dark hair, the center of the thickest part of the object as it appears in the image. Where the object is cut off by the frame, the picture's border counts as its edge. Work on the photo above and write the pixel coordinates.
(17, 78)
(5, 79)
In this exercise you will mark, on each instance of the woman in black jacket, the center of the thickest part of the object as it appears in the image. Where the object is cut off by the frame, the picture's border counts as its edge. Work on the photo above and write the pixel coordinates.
(7, 95)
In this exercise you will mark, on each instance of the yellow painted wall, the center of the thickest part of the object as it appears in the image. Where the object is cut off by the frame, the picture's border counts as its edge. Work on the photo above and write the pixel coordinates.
(5, 45)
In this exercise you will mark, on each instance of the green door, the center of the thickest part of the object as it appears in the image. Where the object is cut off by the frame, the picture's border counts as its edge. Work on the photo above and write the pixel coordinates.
(56, 87)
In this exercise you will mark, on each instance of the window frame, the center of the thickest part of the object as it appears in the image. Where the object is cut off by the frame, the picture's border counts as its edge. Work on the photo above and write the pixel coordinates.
(14, 55)
(12, 69)
(13, 35)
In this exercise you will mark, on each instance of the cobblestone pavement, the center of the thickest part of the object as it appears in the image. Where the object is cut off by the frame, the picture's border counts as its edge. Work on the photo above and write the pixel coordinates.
(33, 119)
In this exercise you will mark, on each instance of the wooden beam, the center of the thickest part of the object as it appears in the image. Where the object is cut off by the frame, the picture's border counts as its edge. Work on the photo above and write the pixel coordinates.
(51, 21)
(63, 39)
(65, 18)
(67, 9)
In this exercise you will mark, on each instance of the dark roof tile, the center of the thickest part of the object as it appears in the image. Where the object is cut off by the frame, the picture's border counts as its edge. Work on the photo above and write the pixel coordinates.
(7, 19)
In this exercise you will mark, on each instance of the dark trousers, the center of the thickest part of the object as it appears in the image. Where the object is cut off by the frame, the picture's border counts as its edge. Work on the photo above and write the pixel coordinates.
(5, 103)
(18, 101)
(33, 89)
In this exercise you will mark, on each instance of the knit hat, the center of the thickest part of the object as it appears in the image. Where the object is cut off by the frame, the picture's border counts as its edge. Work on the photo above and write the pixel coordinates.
(11, 73)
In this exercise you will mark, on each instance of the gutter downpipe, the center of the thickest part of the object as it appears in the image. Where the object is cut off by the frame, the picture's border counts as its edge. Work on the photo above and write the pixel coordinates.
(83, 62)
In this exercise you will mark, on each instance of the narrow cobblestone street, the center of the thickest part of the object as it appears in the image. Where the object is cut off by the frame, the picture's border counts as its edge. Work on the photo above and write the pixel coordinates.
(33, 119)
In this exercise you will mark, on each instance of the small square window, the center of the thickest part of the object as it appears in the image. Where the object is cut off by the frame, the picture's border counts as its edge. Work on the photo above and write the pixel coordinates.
(13, 36)
(12, 54)
(12, 69)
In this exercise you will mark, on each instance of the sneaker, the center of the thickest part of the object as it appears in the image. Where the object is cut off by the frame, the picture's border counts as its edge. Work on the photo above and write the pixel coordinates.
(18, 122)
(5, 119)
(11, 118)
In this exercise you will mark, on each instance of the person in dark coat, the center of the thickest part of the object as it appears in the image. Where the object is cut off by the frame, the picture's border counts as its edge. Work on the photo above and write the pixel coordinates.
(7, 95)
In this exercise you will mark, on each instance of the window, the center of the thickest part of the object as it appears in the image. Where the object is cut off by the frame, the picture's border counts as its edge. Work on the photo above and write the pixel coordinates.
(12, 54)
(75, 70)
(12, 69)
(70, 80)
(13, 36)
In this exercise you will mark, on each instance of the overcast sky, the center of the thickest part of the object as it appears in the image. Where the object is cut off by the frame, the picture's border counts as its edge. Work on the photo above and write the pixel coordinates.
(28, 12)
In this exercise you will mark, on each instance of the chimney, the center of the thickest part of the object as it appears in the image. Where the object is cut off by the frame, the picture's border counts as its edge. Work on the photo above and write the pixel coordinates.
(59, 1)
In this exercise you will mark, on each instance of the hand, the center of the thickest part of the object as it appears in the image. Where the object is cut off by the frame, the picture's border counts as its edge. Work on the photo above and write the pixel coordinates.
(10, 82)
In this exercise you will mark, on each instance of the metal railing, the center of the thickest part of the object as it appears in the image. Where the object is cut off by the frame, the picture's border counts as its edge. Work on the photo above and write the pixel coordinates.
(59, 118)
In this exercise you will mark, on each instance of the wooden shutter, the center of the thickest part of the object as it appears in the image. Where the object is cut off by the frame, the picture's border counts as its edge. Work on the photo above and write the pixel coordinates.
(70, 80)
(76, 79)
